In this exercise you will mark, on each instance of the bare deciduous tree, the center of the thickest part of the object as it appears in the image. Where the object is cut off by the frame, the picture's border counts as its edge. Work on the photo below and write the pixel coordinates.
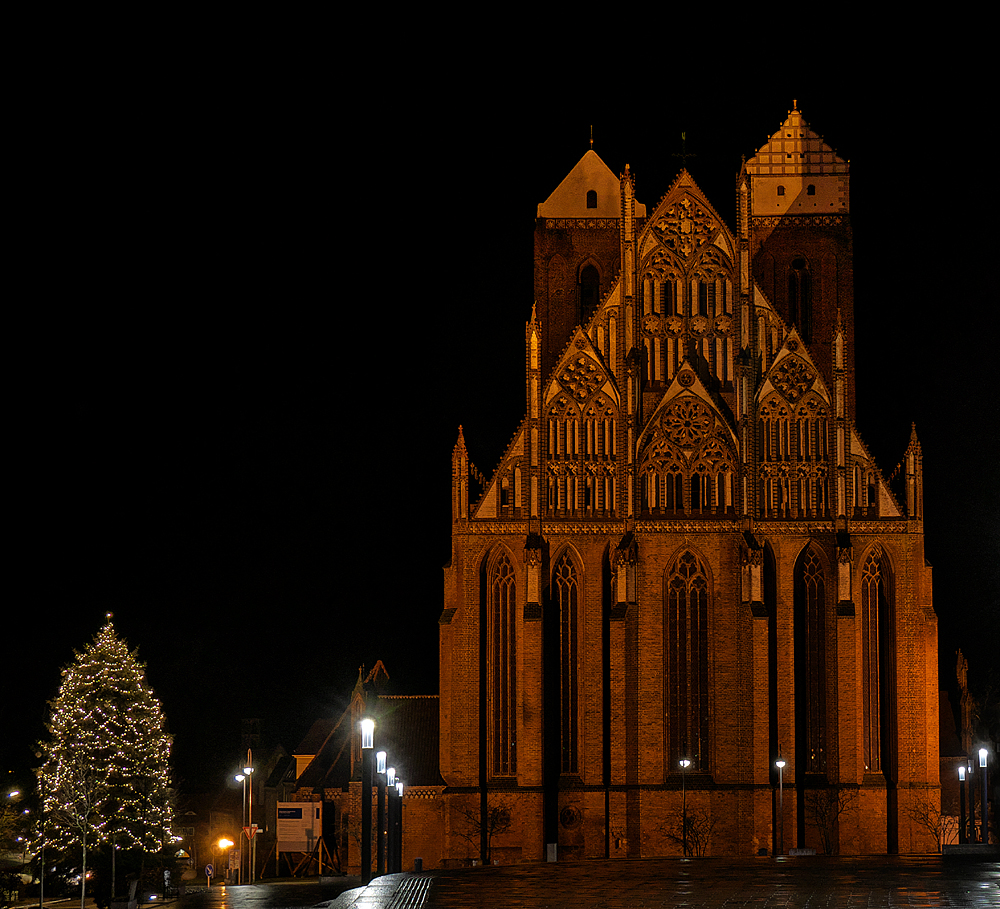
(929, 817)
(699, 830)
(824, 808)
(498, 821)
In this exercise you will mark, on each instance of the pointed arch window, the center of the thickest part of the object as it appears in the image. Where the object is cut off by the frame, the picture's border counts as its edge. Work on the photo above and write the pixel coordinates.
(800, 297)
(502, 666)
(566, 593)
(590, 293)
(810, 662)
(874, 660)
(686, 595)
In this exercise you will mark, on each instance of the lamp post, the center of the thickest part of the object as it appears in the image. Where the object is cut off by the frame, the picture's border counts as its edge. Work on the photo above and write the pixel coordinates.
(367, 744)
(380, 814)
(399, 826)
(961, 805)
(390, 808)
(685, 763)
(780, 764)
(984, 822)
(251, 843)
(241, 778)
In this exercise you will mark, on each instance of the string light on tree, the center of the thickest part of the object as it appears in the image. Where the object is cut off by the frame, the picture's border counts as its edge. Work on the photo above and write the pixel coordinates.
(106, 774)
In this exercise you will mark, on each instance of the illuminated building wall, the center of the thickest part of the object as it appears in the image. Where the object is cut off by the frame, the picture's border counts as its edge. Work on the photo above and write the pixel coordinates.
(687, 551)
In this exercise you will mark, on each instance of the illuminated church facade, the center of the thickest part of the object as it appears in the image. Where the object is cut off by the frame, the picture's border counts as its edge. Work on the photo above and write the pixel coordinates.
(687, 566)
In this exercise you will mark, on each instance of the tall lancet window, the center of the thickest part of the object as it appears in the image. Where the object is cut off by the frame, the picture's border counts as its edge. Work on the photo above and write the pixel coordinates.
(875, 652)
(810, 663)
(685, 650)
(590, 293)
(800, 297)
(502, 663)
(566, 593)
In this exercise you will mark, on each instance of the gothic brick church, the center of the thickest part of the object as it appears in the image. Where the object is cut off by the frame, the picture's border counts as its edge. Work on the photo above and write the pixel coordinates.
(687, 566)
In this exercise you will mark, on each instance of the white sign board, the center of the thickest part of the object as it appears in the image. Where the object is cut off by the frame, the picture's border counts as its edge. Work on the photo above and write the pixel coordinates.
(300, 825)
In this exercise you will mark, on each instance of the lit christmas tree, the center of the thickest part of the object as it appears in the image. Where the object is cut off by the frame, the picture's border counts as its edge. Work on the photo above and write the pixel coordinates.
(106, 776)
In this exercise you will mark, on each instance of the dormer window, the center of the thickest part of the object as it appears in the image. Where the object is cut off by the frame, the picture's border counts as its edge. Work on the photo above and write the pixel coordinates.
(781, 190)
(810, 190)
(591, 198)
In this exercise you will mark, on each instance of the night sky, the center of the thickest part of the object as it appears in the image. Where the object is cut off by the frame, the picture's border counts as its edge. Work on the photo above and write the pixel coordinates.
(250, 325)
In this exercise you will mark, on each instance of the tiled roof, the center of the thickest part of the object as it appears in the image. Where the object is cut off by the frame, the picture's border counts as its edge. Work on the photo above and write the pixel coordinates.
(409, 730)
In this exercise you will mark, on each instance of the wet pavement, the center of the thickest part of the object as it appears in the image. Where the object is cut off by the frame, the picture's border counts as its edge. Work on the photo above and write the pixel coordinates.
(265, 895)
(926, 882)
(707, 883)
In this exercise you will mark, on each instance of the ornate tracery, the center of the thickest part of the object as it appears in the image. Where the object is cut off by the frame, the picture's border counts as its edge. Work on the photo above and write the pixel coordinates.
(686, 295)
(581, 425)
(794, 449)
(687, 464)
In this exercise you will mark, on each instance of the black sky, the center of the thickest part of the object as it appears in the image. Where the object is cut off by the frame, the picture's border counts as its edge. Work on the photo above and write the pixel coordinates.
(250, 324)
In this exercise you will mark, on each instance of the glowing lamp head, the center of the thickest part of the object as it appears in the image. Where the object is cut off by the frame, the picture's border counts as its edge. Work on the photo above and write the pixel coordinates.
(961, 774)
(399, 788)
(982, 757)
(685, 763)
(380, 761)
(368, 733)
(224, 843)
(240, 777)
(780, 763)
(390, 776)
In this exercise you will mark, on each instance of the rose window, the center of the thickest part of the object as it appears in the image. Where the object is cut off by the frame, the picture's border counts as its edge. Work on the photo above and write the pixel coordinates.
(687, 422)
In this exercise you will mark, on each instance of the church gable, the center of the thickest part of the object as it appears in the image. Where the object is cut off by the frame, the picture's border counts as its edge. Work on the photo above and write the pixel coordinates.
(871, 494)
(580, 417)
(687, 453)
(686, 287)
(589, 190)
(504, 490)
(581, 374)
(792, 374)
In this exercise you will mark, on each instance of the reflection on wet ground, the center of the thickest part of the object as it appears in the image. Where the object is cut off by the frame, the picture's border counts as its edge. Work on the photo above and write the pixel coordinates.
(281, 895)
(927, 882)
(875, 881)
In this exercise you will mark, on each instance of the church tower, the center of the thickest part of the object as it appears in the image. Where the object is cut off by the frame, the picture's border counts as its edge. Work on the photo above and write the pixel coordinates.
(686, 564)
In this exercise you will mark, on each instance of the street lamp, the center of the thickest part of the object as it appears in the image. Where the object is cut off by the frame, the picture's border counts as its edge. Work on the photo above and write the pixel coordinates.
(380, 814)
(390, 811)
(780, 764)
(685, 763)
(241, 778)
(398, 847)
(224, 844)
(984, 812)
(367, 744)
(961, 804)
(248, 827)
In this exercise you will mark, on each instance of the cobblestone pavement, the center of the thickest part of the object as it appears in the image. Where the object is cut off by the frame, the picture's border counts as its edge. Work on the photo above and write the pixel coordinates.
(832, 883)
